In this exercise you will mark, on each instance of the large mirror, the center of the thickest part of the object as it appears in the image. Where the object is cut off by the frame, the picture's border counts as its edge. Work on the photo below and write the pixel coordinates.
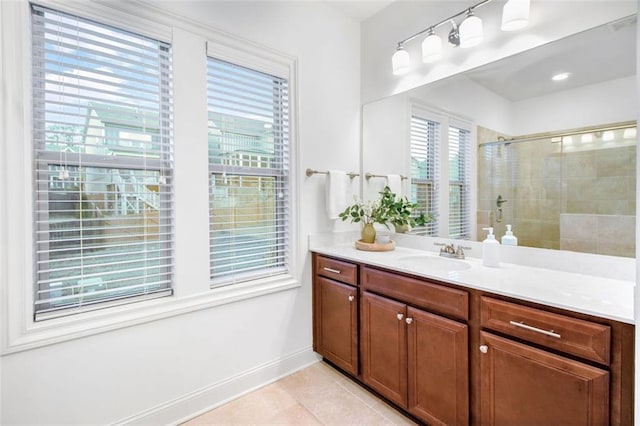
(505, 144)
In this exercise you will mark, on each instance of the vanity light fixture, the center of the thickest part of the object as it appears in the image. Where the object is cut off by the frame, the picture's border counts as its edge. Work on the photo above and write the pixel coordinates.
(401, 61)
(471, 33)
(561, 76)
(515, 15)
(431, 47)
(608, 136)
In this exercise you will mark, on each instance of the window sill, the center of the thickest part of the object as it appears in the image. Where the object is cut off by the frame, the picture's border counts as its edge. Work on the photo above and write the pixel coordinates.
(49, 332)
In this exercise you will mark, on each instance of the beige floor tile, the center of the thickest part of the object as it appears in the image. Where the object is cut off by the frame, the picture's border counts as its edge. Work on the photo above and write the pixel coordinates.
(295, 415)
(251, 408)
(316, 395)
(333, 405)
(361, 393)
(392, 414)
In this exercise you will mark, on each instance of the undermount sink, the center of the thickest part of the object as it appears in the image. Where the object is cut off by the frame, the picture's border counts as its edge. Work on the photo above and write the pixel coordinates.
(433, 263)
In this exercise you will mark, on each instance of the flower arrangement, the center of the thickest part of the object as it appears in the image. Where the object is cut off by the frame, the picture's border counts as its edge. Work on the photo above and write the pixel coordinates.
(388, 209)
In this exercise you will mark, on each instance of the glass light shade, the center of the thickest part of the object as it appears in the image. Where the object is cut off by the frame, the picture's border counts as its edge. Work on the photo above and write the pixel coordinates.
(401, 62)
(431, 48)
(515, 15)
(471, 33)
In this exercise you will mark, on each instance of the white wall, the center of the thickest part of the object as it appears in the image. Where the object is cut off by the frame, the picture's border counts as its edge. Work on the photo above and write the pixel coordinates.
(463, 97)
(549, 20)
(159, 372)
(385, 132)
(603, 103)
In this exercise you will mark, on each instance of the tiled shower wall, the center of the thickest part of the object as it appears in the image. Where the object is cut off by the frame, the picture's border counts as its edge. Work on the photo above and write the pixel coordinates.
(562, 195)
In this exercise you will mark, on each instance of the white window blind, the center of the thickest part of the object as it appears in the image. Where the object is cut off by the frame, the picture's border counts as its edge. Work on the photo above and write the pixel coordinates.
(459, 182)
(248, 114)
(425, 143)
(103, 160)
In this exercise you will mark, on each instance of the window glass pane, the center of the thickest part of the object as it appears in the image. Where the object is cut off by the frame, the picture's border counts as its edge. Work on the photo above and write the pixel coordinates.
(245, 231)
(248, 161)
(102, 236)
(102, 140)
(425, 140)
(459, 181)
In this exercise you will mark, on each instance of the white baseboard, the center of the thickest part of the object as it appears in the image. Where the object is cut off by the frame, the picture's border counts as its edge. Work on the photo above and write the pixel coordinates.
(202, 400)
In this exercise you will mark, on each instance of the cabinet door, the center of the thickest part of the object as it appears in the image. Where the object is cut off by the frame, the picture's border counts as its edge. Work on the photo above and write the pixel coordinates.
(438, 369)
(384, 347)
(524, 386)
(337, 323)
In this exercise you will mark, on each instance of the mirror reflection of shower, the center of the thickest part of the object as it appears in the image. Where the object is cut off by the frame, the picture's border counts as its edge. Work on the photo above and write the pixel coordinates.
(499, 202)
(571, 190)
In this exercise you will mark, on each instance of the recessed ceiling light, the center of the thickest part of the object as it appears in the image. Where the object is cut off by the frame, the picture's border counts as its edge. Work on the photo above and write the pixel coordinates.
(629, 133)
(586, 138)
(561, 76)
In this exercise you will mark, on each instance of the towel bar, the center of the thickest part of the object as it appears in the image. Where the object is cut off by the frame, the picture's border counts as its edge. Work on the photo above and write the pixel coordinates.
(370, 175)
(311, 172)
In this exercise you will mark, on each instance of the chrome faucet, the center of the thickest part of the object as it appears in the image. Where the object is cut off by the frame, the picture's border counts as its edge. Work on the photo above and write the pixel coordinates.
(449, 250)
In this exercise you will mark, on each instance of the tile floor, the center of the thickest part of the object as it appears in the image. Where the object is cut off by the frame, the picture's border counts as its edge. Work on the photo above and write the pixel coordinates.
(316, 395)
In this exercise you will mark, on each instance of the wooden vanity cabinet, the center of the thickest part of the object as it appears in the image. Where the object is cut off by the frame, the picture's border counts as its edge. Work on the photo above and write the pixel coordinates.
(523, 385)
(450, 355)
(416, 359)
(335, 310)
(521, 381)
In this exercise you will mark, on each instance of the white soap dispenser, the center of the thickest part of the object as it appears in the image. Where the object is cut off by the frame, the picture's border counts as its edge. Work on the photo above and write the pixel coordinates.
(490, 250)
(509, 239)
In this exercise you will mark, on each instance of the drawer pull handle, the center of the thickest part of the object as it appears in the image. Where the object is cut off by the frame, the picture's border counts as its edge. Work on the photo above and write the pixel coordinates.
(335, 271)
(399, 316)
(351, 298)
(521, 324)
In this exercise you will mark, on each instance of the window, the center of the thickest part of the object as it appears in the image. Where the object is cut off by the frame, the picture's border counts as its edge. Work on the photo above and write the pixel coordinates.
(248, 116)
(103, 161)
(425, 141)
(459, 180)
(440, 162)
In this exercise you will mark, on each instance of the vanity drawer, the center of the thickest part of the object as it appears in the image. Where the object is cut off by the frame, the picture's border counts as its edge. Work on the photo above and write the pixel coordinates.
(570, 335)
(337, 270)
(421, 294)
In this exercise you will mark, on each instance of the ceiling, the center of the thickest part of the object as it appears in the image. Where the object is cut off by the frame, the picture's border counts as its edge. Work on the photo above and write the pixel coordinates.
(600, 54)
(359, 10)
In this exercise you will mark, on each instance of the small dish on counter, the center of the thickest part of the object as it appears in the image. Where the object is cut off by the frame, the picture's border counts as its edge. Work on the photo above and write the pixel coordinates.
(376, 246)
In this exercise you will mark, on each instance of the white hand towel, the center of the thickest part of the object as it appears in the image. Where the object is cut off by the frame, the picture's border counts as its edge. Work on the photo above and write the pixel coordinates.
(336, 192)
(394, 182)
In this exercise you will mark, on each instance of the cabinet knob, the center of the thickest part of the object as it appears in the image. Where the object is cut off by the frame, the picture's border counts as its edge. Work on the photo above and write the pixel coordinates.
(400, 316)
(484, 349)
(409, 320)
(351, 298)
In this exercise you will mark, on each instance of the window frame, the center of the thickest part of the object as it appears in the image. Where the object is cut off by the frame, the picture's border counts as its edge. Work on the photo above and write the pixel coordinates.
(464, 184)
(445, 120)
(280, 175)
(432, 184)
(21, 332)
(44, 159)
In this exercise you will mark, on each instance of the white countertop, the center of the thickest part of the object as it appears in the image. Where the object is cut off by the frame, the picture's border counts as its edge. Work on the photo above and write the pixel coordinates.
(588, 294)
